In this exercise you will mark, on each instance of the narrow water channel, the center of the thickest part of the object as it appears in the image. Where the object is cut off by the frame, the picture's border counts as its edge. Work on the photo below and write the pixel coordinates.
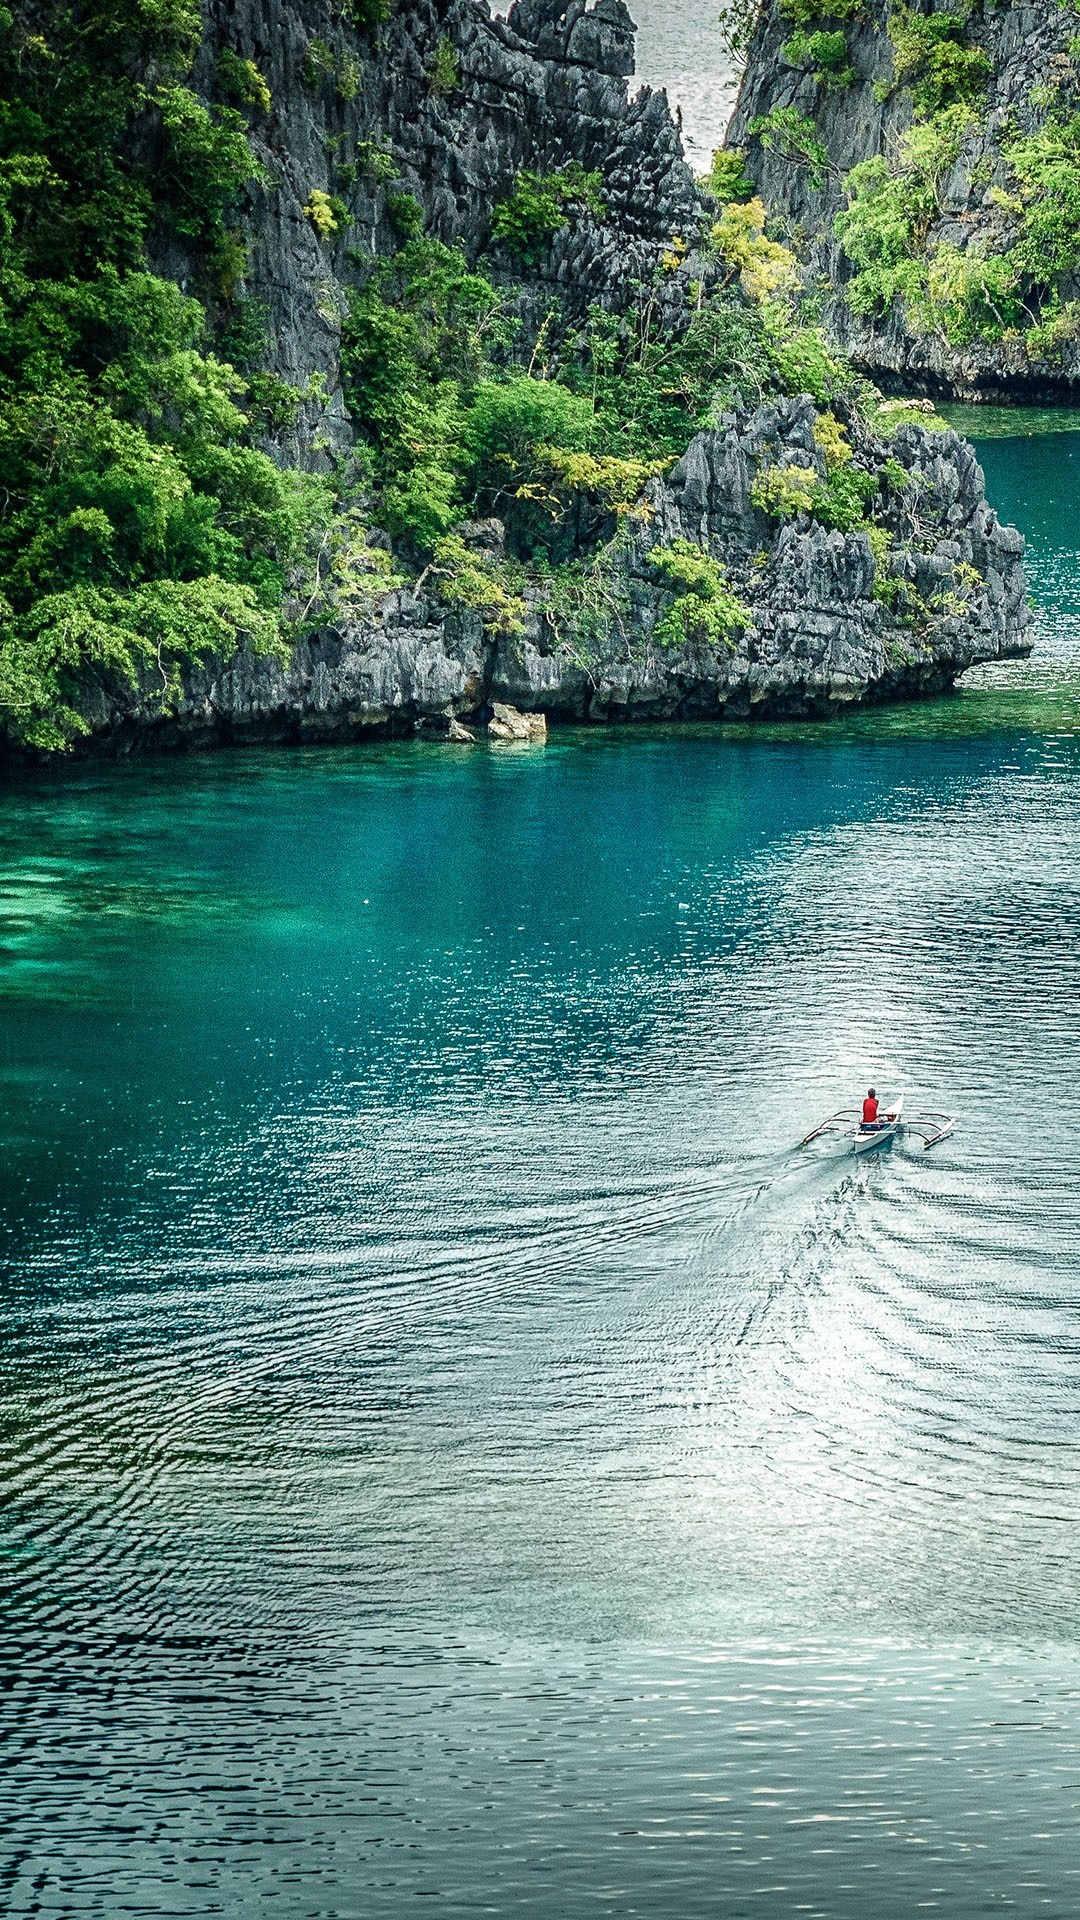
(454, 1444)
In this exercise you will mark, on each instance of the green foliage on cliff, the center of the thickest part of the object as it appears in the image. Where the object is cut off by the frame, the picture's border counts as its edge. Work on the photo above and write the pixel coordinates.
(726, 179)
(1014, 277)
(932, 57)
(138, 520)
(241, 82)
(834, 490)
(443, 73)
(558, 434)
(793, 135)
(121, 630)
(704, 608)
(417, 338)
(806, 11)
(825, 52)
(560, 447)
(367, 14)
(737, 21)
(456, 428)
(977, 292)
(542, 204)
(1046, 168)
(142, 520)
(767, 271)
(838, 500)
(803, 360)
(891, 205)
(651, 391)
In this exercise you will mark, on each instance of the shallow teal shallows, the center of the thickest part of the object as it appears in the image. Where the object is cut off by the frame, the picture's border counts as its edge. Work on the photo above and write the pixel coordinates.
(456, 1448)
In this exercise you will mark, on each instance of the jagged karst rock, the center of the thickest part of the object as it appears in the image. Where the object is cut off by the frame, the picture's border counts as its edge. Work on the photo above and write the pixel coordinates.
(543, 86)
(818, 638)
(1030, 68)
(485, 536)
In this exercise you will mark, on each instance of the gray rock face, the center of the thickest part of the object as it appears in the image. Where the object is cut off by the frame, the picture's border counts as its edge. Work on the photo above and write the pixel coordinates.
(818, 638)
(1032, 72)
(543, 87)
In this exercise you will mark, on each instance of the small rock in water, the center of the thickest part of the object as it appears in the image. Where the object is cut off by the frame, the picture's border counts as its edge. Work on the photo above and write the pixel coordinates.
(508, 724)
(460, 734)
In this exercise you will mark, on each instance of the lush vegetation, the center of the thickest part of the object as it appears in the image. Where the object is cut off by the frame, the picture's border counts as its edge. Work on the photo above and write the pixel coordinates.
(891, 208)
(367, 14)
(703, 608)
(1014, 278)
(559, 435)
(458, 426)
(139, 520)
(825, 52)
(443, 73)
(542, 204)
(806, 12)
(142, 519)
(932, 57)
(793, 135)
(838, 497)
(727, 179)
(984, 291)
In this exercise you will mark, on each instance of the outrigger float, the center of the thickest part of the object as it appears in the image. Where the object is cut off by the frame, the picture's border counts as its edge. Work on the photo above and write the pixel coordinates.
(930, 1127)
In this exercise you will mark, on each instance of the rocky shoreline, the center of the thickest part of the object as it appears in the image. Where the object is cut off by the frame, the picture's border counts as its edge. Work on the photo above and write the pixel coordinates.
(820, 637)
(890, 601)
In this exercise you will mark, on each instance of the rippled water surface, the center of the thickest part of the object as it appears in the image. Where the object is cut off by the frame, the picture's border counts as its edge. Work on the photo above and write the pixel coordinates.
(680, 48)
(455, 1445)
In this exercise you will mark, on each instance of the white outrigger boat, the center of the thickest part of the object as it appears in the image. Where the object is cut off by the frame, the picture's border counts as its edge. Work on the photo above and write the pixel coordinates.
(930, 1127)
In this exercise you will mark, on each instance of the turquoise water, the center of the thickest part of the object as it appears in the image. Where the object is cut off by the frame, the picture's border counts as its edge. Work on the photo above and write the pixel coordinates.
(1009, 423)
(456, 1447)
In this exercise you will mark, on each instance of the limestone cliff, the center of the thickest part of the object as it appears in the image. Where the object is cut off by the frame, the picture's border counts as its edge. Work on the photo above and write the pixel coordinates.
(972, 234)
(436, 113)
(821, 634)
(359, 117)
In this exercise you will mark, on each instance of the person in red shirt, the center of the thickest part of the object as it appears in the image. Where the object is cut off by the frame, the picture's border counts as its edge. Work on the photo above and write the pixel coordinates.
(870, 1112)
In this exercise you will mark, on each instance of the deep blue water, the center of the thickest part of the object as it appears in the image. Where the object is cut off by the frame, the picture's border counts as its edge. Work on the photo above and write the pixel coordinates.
(456, 1446)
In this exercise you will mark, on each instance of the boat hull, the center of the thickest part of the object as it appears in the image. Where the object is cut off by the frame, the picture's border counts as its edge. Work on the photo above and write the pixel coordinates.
(878, 1136)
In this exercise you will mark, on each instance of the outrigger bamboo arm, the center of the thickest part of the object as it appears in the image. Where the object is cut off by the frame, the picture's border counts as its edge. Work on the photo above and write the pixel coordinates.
(834, 1119)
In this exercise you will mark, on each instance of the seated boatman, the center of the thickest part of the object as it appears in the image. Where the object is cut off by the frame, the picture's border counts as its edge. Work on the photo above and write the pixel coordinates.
(870, 1121)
